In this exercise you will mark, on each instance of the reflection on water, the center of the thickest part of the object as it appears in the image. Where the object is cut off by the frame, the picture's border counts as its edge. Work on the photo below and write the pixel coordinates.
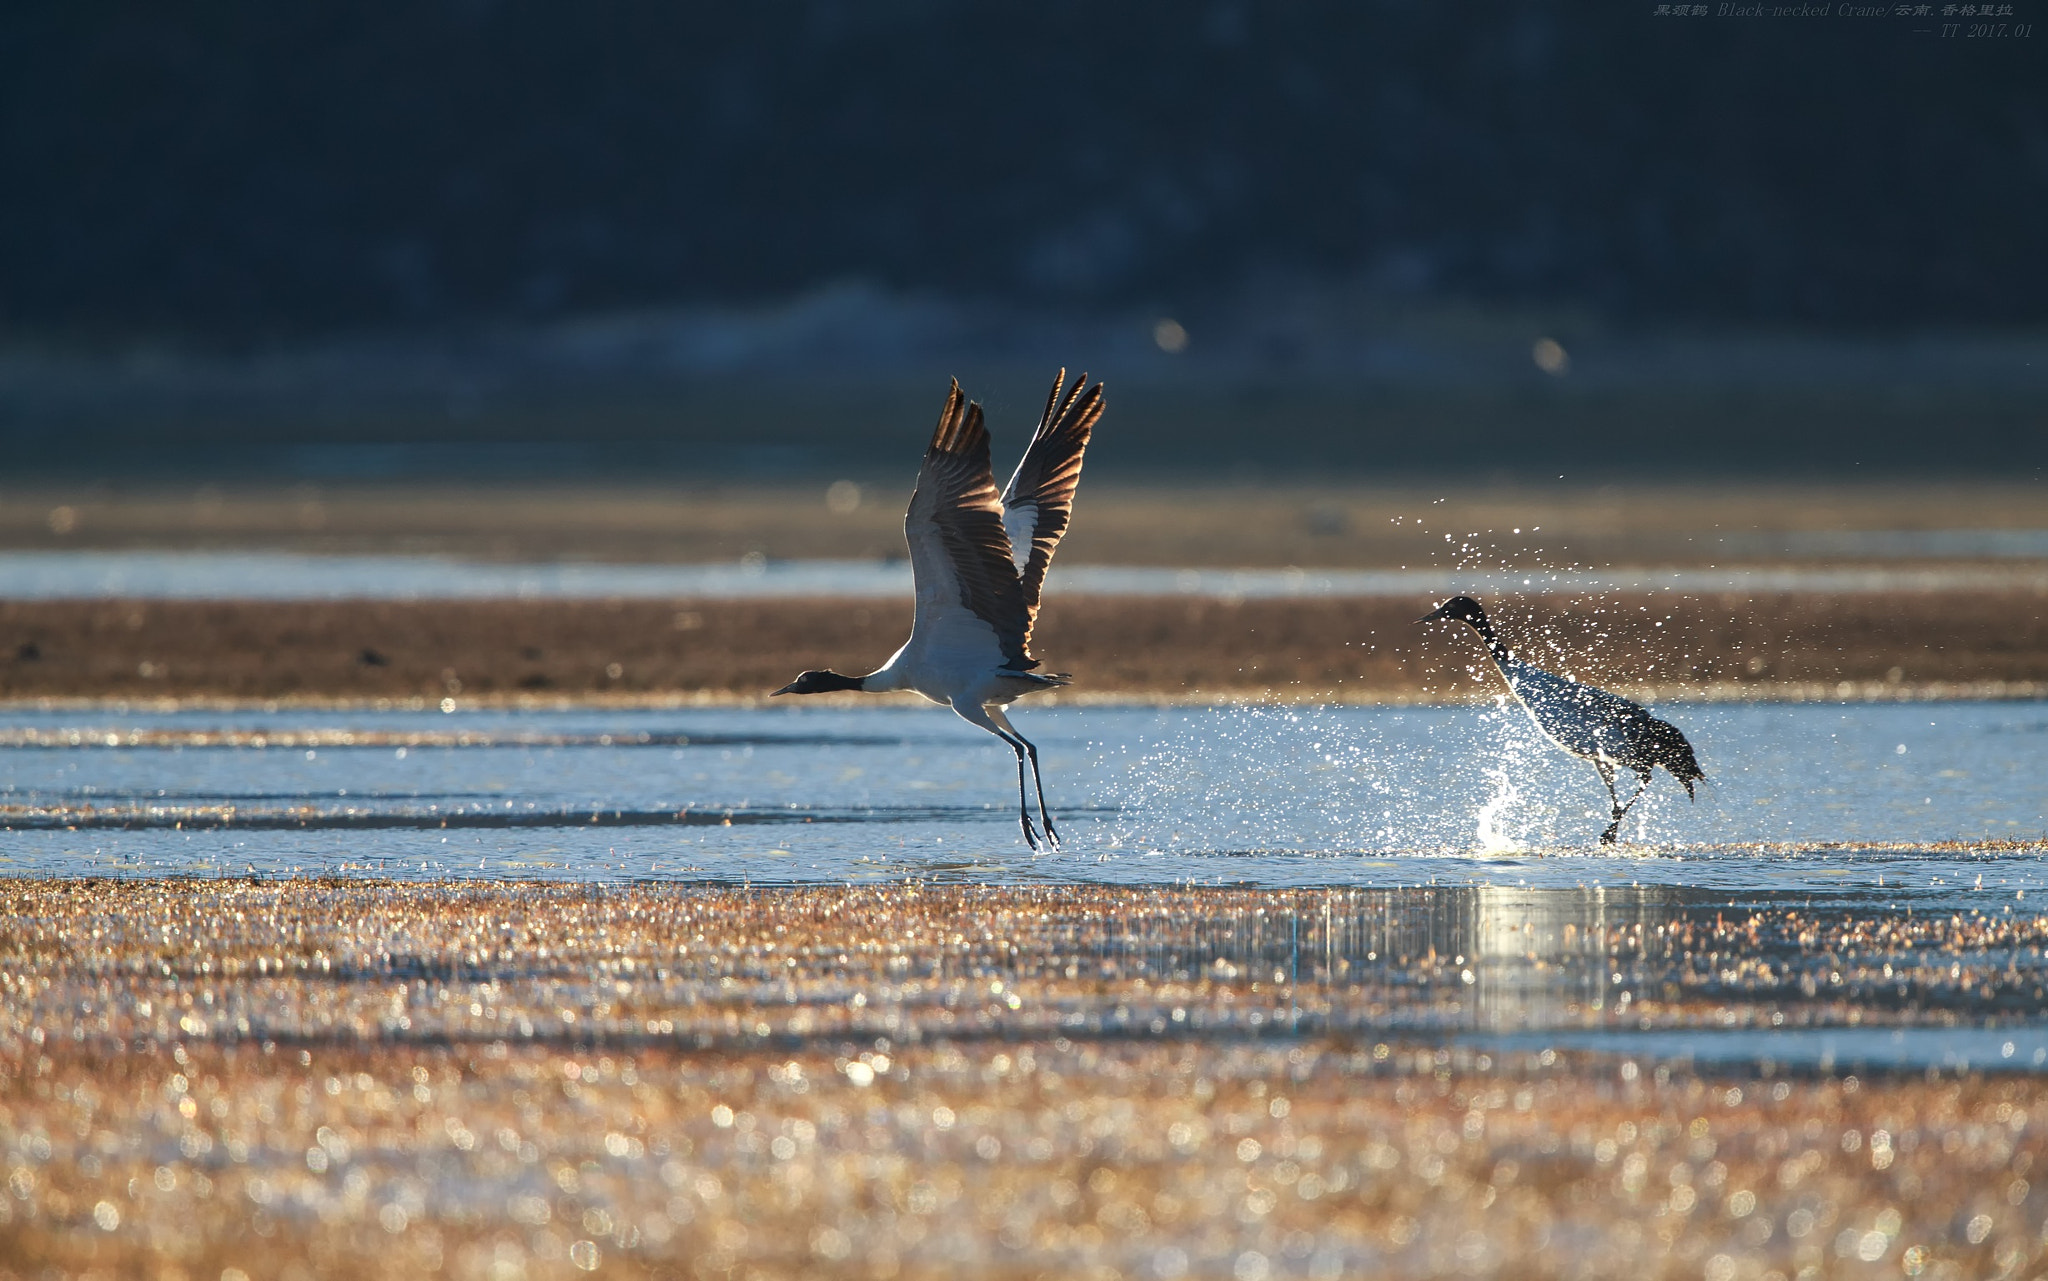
(1424, 958)
(1760, 979)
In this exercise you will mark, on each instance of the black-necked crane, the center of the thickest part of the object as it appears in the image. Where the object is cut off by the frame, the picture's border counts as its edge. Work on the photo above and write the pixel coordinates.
(978, 561)
(1590, 723)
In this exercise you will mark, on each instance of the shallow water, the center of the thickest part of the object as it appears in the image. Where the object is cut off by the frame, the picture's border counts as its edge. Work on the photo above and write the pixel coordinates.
(217, 575)
(1805, 798)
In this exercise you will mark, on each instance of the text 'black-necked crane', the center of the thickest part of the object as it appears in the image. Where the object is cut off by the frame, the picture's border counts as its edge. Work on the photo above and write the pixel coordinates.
(978, 561)
(1603, 728)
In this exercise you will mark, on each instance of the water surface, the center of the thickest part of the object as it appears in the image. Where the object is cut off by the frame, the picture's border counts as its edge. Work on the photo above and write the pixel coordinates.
(1809, 798)
(224, 575)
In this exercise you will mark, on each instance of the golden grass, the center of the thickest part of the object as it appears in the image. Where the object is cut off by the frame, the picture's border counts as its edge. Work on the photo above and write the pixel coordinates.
(1340, 526)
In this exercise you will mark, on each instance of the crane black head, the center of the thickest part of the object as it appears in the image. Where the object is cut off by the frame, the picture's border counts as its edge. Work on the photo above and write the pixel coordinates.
(821, 683)
(1462, 608)
(1665, 746)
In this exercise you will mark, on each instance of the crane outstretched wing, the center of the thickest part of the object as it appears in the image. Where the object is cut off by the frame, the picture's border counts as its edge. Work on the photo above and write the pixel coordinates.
(1039, 500)
(959, 551)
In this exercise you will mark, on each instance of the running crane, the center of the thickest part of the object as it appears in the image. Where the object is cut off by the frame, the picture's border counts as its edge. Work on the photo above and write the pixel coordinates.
(978, 561)
(1590, 723)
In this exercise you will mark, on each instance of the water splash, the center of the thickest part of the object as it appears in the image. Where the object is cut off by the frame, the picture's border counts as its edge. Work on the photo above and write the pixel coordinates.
(1493, 835)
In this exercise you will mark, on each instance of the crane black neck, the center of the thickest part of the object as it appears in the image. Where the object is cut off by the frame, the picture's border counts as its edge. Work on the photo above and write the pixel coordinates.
(1478, 622)
(1500, 652)
(824, 683)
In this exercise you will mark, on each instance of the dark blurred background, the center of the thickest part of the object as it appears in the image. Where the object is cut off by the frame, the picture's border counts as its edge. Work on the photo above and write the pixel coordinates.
(463, 238)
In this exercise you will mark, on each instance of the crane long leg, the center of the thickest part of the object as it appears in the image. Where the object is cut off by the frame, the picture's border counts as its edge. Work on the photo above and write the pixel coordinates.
(1607, 777)
(1642, 782)
(1023, 805)
(1002, 718)
(1038, 782)
(975, 714)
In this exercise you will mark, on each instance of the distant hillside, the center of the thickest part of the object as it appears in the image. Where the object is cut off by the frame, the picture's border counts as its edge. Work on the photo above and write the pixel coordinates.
(238, 171)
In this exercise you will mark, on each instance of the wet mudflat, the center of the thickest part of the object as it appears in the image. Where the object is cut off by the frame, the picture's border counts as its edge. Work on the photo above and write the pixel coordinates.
(1773, 634)
(1310, 992)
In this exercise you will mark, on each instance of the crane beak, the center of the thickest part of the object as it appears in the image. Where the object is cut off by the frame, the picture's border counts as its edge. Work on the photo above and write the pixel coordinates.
(786, 689)
(1432, 615)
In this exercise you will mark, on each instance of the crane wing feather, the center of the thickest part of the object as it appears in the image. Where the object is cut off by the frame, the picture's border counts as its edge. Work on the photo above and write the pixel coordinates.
(959, 549)
(1039, 500)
